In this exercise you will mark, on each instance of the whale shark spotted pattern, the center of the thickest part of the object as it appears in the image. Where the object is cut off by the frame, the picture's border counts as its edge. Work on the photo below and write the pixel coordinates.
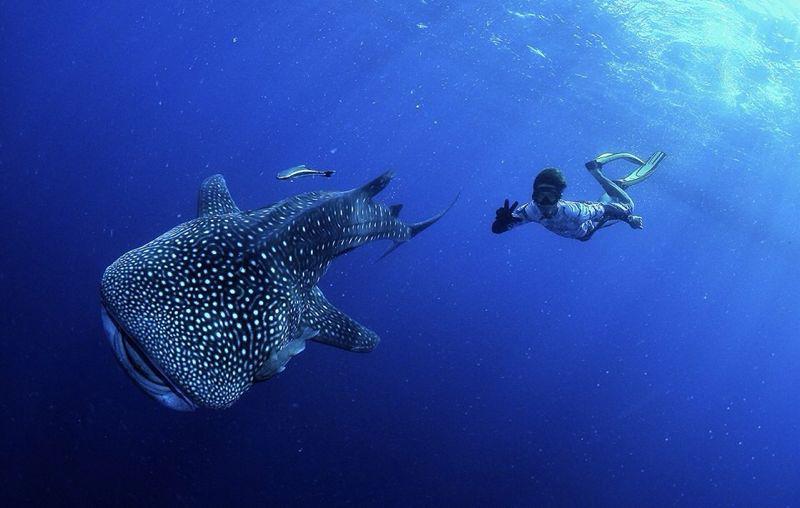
(220, 302)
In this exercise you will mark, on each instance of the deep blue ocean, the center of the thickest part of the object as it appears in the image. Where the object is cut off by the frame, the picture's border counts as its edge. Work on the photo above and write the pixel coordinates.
(642, 368)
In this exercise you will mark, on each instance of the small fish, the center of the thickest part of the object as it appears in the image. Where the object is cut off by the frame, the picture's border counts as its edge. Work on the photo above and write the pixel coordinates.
(537, 51)
(300, 171)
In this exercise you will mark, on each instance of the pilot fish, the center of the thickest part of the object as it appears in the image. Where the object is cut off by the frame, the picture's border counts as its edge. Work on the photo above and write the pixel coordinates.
(301, 171)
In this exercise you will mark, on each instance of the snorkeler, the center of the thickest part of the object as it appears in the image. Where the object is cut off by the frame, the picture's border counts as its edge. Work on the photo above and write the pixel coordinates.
(579, 219)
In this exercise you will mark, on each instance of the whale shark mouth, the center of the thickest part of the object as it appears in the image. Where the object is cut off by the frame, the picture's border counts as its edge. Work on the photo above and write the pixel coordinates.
(141, 368)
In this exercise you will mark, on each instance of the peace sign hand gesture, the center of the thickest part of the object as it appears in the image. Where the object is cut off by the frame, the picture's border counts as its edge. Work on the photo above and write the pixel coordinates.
(504, 217)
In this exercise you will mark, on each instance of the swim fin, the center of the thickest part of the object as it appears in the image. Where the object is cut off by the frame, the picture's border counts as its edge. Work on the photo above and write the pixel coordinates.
(605, 158)
(643, 172)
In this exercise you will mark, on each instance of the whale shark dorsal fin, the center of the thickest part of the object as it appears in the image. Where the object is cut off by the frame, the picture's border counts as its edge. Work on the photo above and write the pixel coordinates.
(395, 209)
(334, 328)
(214, 198)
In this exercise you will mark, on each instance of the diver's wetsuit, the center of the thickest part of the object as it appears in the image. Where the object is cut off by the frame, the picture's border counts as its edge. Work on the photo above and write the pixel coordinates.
(572, 219)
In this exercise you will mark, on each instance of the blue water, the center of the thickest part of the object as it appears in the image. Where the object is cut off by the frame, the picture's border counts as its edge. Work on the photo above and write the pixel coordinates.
(643, 368)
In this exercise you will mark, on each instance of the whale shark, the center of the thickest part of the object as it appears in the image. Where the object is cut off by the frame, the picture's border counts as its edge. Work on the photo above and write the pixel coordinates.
(224, 301)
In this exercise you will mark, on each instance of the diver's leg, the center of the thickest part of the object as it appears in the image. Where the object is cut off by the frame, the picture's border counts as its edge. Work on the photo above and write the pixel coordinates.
(613, 191)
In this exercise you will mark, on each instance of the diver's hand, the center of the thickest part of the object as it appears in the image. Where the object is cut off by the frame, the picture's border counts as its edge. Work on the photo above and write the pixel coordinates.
(504, 217)
(506, 211)
(636, 222)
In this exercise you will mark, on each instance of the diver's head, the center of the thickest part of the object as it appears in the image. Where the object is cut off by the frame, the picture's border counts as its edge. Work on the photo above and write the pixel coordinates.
(548, 186)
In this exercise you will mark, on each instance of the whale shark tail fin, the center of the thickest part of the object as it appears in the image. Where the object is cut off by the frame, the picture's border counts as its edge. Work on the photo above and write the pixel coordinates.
(419, 227)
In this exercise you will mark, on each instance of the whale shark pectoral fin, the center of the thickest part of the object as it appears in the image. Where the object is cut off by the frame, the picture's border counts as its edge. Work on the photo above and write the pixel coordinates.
(277, 360)
(335, 328)
(214, 198)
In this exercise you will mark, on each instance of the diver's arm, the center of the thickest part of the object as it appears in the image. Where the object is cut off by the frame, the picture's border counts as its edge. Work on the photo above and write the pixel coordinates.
(591, 212)
(525, 214)
(616, 211)
(582, 211)
(621, 212)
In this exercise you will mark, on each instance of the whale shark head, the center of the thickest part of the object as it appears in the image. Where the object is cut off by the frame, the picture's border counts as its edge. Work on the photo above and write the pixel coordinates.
(198, 315)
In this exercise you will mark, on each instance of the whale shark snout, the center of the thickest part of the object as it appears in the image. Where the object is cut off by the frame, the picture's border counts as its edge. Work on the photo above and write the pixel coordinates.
(141, 369)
